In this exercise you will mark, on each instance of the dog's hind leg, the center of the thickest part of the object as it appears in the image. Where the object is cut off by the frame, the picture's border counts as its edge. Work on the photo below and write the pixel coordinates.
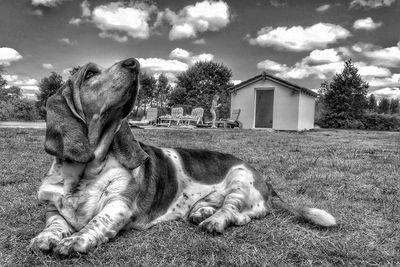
(228, 214)
(206, 207)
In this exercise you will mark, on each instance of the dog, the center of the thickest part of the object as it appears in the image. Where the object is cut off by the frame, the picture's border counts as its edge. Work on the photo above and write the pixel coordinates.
(123, 183)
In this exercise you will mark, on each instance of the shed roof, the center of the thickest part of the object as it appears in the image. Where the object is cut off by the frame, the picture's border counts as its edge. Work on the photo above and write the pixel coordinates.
(266, 76)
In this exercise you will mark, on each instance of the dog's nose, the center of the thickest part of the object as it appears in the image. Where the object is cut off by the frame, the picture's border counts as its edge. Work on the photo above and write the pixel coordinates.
(131, 63)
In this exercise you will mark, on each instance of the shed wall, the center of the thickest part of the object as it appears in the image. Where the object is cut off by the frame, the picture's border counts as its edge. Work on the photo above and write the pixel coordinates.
(306, 112)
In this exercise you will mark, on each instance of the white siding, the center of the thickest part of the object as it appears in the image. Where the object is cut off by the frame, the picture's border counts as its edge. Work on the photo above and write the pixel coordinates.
(306, 112)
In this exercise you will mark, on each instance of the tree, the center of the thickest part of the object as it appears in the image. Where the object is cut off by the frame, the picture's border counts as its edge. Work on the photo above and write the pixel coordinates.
(201, 82)
(372, 106)
(394, 106)
(177, 96)
(384, 106)
(13, 92)
(148, 86)
(47, 87)
(346, 96)
(162, 90)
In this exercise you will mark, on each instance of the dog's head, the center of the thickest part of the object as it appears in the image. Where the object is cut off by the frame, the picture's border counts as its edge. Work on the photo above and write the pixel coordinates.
(87, 111)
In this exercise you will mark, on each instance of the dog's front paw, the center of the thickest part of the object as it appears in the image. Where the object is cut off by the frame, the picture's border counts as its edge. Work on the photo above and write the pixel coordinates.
(45, 242)
(69, 245)
(213, 225)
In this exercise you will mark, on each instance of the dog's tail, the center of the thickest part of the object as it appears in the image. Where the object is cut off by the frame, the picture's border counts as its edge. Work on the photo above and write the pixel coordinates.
(313, 215)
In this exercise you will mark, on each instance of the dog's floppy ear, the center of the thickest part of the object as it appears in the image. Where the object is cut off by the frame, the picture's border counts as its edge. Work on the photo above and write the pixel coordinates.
(126, 149)
(66, 131)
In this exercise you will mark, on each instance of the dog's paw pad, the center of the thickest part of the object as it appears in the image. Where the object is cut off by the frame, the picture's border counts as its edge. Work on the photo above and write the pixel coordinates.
(213, 225)
(72, 244)
(44, 242)
(201, 214)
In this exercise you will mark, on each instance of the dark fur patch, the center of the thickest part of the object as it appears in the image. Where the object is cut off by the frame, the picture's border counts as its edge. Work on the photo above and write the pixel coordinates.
(126, 149)
(66, 136)
(159, 185)
(208, 167)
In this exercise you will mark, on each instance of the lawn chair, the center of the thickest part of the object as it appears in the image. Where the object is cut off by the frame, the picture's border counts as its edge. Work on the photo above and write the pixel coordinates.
(195, 116)
(232, 122)
(151, 118)
(176, 115)
(151, 115)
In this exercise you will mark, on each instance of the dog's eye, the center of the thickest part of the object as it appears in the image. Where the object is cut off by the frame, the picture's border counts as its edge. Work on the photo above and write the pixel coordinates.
(89, 74)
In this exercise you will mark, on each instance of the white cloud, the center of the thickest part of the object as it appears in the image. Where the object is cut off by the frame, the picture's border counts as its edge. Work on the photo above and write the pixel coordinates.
(235, 82)
(47, 3)
(75, 21)
(388, 92)
(36, 12)
(373, 71)
(366, 24)
(179, 61)
(362, 47)
(323, 8)
(117, 19)
(272, 65)
(371, 3)
(276, 3)
(186, 56)
(162, 65)
(298, 38)
(388, 57)
(179, 53)
(23, 82)
(199, 41)
(200, 17)
(85, 9)
(67, 41)
(202, 57)
(114, 36)
(8, 55)
(323, 56)
(321, 63)
(392, 81)
(47, 66)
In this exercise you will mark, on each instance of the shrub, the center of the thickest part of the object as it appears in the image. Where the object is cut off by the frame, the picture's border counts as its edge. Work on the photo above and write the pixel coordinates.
(369, 121)
(382, 122)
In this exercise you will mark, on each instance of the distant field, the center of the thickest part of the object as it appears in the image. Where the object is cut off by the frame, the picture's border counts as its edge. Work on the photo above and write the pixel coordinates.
(352, 174)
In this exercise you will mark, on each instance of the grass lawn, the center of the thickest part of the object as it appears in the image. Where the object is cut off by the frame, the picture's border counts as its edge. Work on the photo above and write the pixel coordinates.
(352, 174)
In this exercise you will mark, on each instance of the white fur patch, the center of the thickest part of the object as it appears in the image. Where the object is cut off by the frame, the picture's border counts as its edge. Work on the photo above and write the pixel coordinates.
(319, 217)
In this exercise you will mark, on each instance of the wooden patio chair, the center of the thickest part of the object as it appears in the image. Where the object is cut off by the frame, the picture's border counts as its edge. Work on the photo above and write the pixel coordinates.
(151, 118)
(195, 116)
(231, 122)
(151, 115)
(176, 115)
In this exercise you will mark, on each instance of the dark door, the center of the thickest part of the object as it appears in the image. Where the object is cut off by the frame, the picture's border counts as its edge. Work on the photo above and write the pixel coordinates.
(264, 108)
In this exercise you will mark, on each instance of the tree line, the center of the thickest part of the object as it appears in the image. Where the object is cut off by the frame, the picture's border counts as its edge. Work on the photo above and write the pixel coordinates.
(342, 103)
(194, 88)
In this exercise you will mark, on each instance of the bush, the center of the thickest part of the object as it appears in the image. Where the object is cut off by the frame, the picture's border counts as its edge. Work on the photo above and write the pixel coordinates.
(369, 121)
(381, 122)
(18, 110)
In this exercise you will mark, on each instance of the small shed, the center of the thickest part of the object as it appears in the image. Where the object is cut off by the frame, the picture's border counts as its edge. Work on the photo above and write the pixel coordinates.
(267, 101)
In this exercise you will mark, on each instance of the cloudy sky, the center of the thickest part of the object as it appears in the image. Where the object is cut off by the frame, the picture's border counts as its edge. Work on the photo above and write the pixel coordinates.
(303, 41)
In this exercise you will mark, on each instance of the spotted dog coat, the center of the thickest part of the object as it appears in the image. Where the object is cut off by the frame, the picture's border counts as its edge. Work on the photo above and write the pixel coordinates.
(127, 184)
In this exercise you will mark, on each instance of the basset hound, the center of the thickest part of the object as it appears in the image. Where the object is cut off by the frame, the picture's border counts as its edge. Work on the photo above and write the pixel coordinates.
(103, 180)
